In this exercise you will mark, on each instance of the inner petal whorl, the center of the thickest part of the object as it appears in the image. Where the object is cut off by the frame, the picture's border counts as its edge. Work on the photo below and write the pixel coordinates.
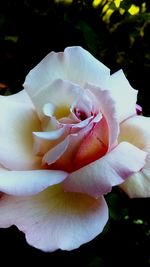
(80, 114)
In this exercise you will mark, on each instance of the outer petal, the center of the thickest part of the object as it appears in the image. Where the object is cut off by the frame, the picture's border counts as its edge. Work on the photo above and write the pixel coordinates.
(136, 130)
(98, 177)
(54, 219)
(123, 94)
(138, 184)
(26, 183)
(17, 122)
(21, 97)
(74, 64)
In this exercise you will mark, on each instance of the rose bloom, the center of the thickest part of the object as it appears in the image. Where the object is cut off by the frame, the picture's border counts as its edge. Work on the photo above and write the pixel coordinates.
(65, 140)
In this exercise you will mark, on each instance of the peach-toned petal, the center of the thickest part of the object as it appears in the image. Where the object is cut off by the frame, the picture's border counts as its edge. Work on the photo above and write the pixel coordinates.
(123, 94)
(26, 183)
(74, 64)
(108, 108)
(17, 122)
(55, 153)
(98, 177)
(54, 219)
(136, 130)
(62, 156)
(94, 145)
(45, 141)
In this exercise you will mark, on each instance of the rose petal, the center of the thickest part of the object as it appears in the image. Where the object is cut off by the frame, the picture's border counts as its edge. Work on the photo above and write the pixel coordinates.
(108, 108)
(68, 91)
(54, 219)
(26, 183)
(83, 67)
(94, 145)
(62, 156)
(21, 97)
(84, 123)
(48, 109)
(55, 153)
(43, 141)
(123, 94)
(136, 130)
(83, 105)
(53, 135)
(17, 122)
(138, 185)
(98, 177)
(74, 64)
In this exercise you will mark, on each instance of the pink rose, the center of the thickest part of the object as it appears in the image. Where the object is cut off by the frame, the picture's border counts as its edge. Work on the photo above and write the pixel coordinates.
(66, 139)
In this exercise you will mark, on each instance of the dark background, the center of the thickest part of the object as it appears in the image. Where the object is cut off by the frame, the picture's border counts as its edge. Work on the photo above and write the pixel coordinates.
(31, 29)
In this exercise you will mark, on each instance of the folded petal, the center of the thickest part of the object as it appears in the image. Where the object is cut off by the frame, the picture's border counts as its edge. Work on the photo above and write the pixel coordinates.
(55, 153)
(123, 94)
(94, 144)
(107, 106)
(17, 122)
(68, 91)
(74, 64)
(44, 141)
(98, 177)
(26, 183)
(136, 130)
(54, 219)
(138, 184)
(62, 156)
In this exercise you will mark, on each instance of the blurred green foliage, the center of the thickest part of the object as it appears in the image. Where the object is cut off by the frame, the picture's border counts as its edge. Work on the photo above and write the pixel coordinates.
(118, 34)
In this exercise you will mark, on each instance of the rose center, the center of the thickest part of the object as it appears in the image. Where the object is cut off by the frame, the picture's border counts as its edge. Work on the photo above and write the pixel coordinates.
(80, 114)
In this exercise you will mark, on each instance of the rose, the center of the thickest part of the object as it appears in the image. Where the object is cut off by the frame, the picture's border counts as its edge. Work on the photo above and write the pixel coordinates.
(66, 139)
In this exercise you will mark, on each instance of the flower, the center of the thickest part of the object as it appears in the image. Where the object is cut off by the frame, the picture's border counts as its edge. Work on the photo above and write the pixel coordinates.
(66, 139)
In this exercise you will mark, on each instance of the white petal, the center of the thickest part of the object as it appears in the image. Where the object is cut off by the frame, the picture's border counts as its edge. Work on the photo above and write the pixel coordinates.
(123, 94)
(21, 97)
(138, 185)
(17, 122)
(26, 183)
(74, 64)
(54, 219)
(136, 130)
(60, 94)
